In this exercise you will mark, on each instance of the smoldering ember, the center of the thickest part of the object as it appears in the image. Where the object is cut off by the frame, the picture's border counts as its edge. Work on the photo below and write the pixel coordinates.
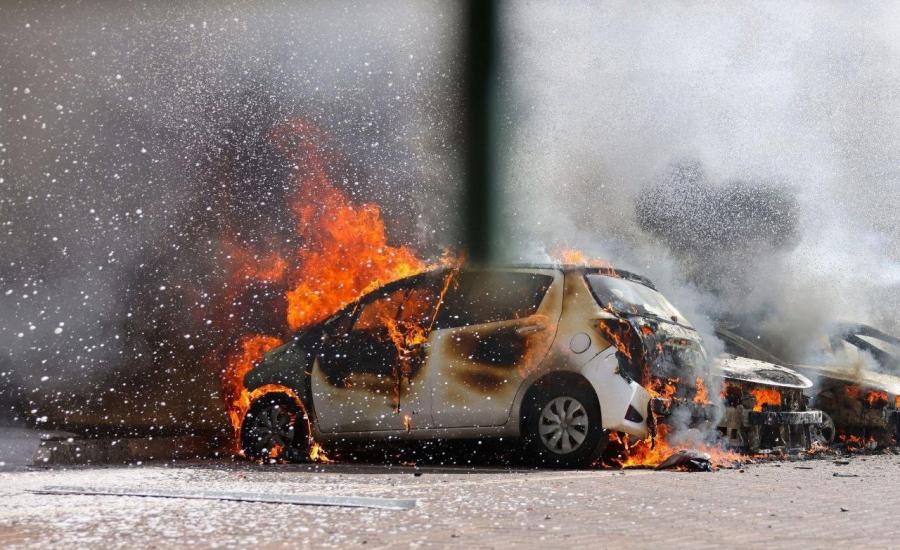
(454, 274)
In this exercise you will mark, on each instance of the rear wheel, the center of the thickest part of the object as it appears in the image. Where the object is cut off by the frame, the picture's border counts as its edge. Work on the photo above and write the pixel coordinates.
(274, 428)
(823, 433)
(562, 427)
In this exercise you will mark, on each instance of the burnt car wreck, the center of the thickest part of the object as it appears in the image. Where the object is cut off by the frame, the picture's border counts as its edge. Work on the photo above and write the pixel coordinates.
(558, 357)
(765, 407)
(761, 406)
(857, 375)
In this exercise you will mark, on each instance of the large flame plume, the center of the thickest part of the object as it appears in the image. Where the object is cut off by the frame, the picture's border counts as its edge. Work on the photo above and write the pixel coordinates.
(344, 251)
(341, 251)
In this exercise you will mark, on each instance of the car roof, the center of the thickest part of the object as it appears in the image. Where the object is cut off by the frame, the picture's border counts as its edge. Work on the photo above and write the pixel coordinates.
(566, 268)
(602, 270)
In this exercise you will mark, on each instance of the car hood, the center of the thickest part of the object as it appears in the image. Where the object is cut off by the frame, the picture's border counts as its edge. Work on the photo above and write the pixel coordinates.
(853, 375)
(758, 372)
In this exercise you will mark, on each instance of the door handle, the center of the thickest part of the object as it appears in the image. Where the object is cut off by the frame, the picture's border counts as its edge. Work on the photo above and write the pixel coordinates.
(529, 329)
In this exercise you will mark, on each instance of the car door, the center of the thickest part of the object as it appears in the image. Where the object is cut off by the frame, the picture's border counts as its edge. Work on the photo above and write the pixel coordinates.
(492, 330)
(367, 379)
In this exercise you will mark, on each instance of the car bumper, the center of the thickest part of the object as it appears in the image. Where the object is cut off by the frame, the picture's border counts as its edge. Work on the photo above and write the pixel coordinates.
(782, 418)
(665, 408)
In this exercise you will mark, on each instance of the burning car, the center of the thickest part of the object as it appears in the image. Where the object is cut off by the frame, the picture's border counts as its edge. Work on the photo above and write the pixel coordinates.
(558, 356)
(765, 407)
(858, 380)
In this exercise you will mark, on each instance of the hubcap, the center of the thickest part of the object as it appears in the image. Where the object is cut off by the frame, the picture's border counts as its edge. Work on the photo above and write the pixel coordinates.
(563, 425)
(274, 429)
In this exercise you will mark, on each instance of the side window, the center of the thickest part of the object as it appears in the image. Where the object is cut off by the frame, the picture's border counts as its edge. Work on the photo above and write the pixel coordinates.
(378, 313)
(418, 307)
(405, 308)
(490, 296)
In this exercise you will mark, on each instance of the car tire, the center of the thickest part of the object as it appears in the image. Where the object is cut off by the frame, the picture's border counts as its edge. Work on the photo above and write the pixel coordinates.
(562, 426)
(825, 432)
(274, 429)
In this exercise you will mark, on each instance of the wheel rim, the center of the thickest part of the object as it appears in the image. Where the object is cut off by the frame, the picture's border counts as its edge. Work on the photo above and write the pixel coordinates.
(825, 431)
(563, 425)
(274, 429)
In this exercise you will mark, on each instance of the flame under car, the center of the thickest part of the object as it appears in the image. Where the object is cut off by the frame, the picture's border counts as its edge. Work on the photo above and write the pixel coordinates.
(557, 356)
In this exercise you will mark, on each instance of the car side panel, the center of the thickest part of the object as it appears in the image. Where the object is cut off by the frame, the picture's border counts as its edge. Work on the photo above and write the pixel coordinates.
(370, 382)
(580, 348)
(476, 371)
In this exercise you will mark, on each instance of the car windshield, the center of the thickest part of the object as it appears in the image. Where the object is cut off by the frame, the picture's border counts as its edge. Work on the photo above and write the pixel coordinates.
(624, 296)
(885, 349)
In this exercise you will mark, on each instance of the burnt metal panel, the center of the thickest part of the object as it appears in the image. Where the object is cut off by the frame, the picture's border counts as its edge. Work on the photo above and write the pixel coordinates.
(782, 418)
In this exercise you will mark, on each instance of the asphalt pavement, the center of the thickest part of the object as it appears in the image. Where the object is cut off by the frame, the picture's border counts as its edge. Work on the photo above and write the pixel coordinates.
(811, 504)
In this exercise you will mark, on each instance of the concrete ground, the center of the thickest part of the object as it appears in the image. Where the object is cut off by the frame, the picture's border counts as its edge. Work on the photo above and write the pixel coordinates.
(809, 504)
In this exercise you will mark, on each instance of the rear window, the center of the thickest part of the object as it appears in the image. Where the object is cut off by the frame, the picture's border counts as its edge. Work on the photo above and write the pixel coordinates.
(625, 296)
(474, 298)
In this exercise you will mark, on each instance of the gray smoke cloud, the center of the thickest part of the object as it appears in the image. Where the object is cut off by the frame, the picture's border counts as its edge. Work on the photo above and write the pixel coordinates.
(744, 156)
(133, 134)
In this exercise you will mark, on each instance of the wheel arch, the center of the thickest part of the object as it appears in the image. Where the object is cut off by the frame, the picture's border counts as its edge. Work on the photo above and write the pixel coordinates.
(285, 367)
(562, 378)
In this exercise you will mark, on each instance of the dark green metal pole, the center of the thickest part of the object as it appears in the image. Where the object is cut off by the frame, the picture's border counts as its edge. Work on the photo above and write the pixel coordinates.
(480, 81)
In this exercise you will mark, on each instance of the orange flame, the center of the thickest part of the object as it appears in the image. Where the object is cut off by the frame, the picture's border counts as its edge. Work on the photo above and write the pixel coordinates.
(765, 396)
(317, 454)
(702, 395)
(276, 451)
(248, 267)
(663, 387)
(345, 251)
(853, 392)
(572, 256)
(342, 252)
(877, 399)
(649, 453)
(253, 347)
(856, 442)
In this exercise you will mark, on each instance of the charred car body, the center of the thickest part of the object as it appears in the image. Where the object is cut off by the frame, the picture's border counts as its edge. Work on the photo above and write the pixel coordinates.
(858, 379)
(555, 355)
(765, 407)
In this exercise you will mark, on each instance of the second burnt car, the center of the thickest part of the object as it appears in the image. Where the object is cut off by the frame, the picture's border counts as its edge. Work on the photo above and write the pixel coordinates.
(557, 356)
(857, 373)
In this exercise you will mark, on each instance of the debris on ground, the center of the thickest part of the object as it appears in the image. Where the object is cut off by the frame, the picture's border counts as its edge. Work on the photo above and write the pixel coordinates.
(688, 460)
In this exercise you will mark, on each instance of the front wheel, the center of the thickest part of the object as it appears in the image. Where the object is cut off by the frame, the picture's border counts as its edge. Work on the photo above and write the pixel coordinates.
(274, 429)
(562, 427)
(823, 433)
